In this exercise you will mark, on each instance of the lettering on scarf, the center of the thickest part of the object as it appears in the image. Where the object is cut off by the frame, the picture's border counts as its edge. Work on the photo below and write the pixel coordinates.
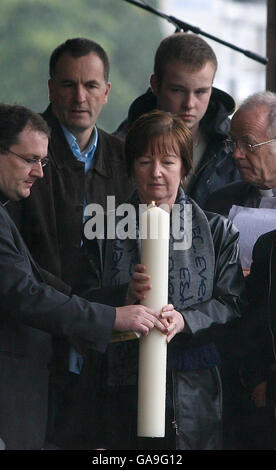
(171, 279)
(185, 284)
(200, 262)
(197, 238)
(117, 254)
(191, 270)
(120, 270)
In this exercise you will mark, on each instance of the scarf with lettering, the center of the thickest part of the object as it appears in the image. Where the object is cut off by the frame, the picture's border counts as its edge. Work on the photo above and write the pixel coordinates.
(191, 277)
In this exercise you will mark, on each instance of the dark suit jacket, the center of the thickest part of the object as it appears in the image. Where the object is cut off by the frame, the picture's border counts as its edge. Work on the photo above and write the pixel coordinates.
(261, 324)
(51, 218)
(239, 194)
(30, 311)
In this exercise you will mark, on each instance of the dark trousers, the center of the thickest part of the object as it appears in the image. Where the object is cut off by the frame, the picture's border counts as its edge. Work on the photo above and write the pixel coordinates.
(196, 426)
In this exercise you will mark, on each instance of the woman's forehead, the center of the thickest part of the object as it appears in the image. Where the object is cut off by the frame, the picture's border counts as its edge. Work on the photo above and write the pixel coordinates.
(162, 144)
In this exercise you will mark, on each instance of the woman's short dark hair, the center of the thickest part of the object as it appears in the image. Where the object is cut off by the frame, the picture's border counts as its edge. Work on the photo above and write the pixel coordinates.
(13, 119)
(79, 47)
(148, 128)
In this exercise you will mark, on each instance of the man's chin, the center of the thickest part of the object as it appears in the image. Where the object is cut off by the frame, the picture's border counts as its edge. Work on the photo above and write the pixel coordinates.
(248, 176)
(23, 194)
(192, 125)
(78, 124)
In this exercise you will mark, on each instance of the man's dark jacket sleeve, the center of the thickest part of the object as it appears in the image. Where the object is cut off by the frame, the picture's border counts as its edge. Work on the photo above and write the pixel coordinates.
(25, 299)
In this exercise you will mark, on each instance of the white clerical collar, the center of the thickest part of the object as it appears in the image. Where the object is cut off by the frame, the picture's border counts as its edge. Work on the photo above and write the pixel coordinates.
(268, 192)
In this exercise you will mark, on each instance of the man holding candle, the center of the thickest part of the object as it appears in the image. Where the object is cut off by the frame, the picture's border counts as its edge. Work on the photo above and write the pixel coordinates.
(206, 290)
(35, 306)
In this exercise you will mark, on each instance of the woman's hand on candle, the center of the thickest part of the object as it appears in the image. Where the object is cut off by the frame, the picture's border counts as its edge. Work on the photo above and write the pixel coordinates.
(175, 319)
(138, 285)
(139, 318)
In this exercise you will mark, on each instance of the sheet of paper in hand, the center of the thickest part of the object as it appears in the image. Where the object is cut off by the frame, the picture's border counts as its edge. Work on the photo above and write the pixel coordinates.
(251, 223)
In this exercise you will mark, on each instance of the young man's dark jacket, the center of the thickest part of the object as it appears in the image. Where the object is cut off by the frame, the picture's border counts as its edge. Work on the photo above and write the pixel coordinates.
(240, 193)
(217, 168)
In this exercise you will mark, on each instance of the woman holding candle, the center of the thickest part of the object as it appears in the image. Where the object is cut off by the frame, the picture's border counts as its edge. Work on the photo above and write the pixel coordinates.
(205, 285)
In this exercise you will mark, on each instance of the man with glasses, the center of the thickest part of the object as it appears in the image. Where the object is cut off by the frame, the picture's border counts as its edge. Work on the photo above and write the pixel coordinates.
(34, 305)
(253, 145)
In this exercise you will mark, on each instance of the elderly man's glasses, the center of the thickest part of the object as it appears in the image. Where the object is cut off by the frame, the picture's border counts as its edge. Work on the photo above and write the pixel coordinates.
(231, 145)
(32, 161)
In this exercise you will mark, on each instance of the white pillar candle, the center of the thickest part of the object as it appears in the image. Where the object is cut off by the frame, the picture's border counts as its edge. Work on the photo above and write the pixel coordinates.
(155, 227)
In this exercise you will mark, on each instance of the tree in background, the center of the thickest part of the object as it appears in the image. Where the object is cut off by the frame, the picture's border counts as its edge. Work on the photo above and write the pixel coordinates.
(31, 29)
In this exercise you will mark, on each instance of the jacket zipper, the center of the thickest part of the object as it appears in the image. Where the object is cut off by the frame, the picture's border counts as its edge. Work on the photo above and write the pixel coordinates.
(174, 422)
(196, 175)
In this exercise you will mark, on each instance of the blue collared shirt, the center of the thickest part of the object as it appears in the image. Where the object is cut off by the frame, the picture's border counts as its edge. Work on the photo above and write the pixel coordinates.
(86, 156)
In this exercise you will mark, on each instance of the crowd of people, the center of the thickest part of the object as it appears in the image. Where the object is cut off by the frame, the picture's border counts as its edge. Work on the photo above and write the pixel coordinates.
(65, 382)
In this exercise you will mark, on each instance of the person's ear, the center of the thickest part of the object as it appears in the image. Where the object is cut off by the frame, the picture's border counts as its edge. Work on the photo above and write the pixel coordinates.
(154, 84)
(50, 86)
(107, 91)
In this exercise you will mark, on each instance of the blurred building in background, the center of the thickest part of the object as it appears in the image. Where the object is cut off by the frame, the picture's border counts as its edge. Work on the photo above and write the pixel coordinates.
(241, 23)
(30, 30)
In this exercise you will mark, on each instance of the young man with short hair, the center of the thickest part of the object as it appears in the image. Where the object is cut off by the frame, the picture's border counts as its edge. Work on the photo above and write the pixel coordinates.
(182, 83)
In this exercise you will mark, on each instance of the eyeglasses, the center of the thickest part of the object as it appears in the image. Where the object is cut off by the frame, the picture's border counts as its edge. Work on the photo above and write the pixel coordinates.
(31, 161)
(231, 145)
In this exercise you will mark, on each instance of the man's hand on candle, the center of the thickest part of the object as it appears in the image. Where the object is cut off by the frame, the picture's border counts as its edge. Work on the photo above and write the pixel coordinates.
(138, 285)
(138, 318)
(175, 319)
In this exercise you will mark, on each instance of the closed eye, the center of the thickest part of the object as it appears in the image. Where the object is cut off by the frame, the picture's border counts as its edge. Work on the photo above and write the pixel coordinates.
(144, 162)
(67, 84)
(177, 90)
(92, 85)
(202, 91)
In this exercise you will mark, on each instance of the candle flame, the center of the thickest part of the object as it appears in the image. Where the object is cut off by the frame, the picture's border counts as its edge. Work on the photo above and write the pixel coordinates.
(153, 203)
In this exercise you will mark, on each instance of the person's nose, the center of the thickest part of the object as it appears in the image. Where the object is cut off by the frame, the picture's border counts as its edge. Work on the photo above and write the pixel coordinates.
(79, 94)
(238, 154)
(37, 170)
(188, 101)
(156, 170)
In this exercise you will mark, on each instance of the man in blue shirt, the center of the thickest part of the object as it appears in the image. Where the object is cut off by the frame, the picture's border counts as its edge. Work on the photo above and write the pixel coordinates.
(86, 165)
